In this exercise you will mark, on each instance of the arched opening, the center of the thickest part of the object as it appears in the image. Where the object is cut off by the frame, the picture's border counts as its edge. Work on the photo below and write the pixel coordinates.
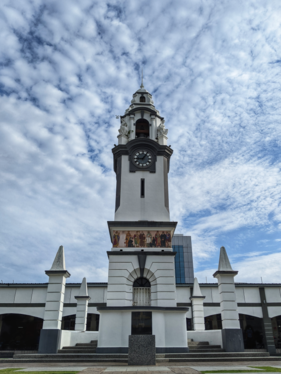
(68, 322)
(213, 322)
(19, 332)
(142, 128)
(252, 328)
(276, 328)
(141, 292)
(142, 99)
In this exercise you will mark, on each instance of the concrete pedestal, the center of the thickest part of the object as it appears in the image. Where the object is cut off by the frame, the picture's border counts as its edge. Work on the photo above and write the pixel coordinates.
(141, 350)
(232, 340)
(49, 340)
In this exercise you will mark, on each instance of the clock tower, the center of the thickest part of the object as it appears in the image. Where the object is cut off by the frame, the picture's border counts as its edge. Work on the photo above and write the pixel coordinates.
(141, 163)
(141, 292)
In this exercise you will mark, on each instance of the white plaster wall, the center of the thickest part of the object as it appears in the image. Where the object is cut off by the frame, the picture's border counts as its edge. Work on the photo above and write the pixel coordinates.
(23, 295)
(212, 336)
(240, 295)
(29, 311)
(211, 310)
(252, 295)
(273, 294)
(71, 338)
(255, 311)
(123, 270)
(183, 294)
(114, 328)
(132, 206)
(274, 311)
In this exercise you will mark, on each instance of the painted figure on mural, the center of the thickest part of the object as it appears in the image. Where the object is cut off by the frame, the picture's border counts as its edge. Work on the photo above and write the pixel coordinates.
(153, 244)
(142, 239)
(122, 240)
(116, 239)
(168, 239)
(163, 239)
(136, 239)
(130, 242)
(128, 235)
(157, 239)
(148, 239)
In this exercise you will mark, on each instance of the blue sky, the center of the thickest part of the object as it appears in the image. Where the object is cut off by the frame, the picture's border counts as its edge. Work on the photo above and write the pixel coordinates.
(67, 68)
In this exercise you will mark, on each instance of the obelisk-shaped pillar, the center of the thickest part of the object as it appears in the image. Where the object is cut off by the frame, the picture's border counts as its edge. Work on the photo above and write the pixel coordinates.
(232, 336)
(197, 307)
(82, 307)
(51, 331)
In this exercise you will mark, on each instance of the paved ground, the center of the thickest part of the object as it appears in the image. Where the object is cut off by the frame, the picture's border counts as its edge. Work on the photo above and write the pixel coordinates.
(98, 368)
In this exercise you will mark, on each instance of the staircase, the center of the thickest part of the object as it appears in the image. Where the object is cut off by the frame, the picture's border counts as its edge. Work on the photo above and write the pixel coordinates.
(199, 352)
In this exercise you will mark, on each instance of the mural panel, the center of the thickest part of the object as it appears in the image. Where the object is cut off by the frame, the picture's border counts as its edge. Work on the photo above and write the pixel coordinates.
(142, 238)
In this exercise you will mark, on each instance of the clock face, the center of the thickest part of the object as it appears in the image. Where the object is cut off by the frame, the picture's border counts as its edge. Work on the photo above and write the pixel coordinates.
(142, 158)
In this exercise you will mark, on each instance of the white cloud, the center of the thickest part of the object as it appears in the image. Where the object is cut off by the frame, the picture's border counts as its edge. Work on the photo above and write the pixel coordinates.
(67, 68)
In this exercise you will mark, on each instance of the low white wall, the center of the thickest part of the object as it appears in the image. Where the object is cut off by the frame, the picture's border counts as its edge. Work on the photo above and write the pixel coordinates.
(71, 338)
(211, 336)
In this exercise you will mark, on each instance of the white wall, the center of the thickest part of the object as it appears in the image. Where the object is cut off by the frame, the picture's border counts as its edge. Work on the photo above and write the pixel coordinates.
(212, 336)
(71, 338)
(132, 206)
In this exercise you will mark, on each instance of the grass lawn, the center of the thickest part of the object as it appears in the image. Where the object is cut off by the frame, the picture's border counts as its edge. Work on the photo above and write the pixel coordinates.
(14, 371)
(262, 369)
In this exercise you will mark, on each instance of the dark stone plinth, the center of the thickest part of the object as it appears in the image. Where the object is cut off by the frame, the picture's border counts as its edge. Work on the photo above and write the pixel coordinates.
(49, 341)
(141, 350)
(232, 340)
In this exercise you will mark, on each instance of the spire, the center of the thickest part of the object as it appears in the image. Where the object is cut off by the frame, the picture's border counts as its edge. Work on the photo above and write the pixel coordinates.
(224, 264)
(142, 86)
(196, 289)
(83, 288)
(59, 261)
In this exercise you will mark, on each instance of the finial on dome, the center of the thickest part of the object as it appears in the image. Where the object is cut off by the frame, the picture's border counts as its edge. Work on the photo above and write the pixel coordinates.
(142, 86)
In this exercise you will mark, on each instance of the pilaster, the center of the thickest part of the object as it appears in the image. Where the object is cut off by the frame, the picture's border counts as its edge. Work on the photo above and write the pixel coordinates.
(50, 333)
(231, 332)
(82, 307)
(197, 300)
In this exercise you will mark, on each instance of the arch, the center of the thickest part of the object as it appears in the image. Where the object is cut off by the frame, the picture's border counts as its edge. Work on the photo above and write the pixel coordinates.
(142, 99)
(19, 331)
(141, 282)
(142, 128)
(253, 332)
(93, 319)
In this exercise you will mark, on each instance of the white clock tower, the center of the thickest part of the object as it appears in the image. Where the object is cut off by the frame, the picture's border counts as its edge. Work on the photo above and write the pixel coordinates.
(141, 293)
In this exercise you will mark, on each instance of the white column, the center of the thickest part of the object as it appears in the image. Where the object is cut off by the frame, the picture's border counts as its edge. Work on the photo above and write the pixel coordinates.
(231, 332)
(55, 292)
(132, 127)
(51, 330)
(152, 128)
(82, 307)
(197, 307)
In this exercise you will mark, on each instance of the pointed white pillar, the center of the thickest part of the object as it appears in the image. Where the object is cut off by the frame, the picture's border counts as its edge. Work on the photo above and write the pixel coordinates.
(50, 333)
(82, 307)
(197, 307)
(232, 336)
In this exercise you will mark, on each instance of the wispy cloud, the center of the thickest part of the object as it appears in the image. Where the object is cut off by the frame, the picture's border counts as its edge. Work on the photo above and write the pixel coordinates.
(68, 67)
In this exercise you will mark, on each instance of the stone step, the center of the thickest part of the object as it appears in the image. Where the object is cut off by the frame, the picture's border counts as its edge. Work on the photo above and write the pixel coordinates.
(192, 347)
(78, 351)
(62, 360)
(86, 344)
(222, 359)
(216, 354)
(71, 356)
(193, 350)
(190, 342)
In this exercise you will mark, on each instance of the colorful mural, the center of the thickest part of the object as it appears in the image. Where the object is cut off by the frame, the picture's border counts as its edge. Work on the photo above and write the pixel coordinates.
(142, 238)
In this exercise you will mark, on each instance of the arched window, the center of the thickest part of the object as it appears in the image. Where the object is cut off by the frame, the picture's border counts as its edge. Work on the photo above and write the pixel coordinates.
(142, 99)
(142, 128)
(141, 292)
